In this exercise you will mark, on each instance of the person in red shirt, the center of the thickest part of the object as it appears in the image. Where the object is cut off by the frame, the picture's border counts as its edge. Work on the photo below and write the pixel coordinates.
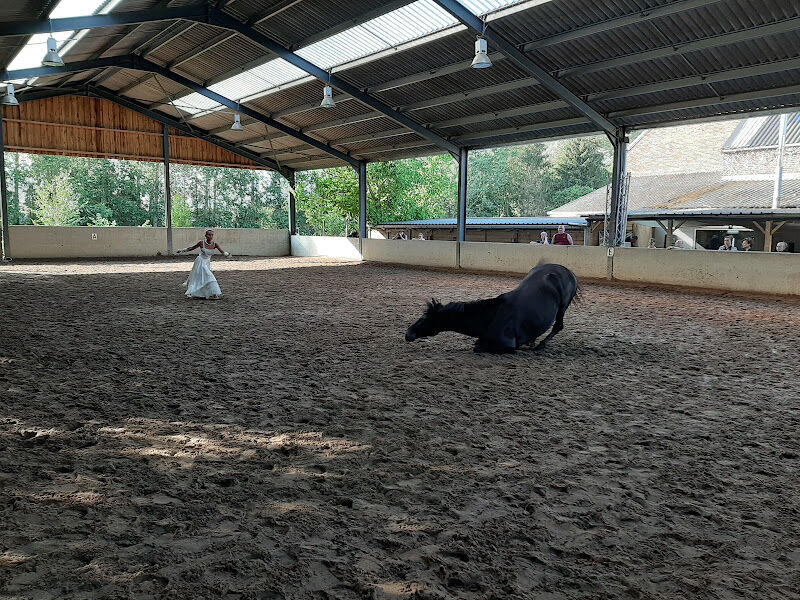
(562, 238)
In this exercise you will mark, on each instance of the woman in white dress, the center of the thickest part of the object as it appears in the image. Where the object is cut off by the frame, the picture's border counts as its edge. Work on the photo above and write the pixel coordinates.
(201, 282)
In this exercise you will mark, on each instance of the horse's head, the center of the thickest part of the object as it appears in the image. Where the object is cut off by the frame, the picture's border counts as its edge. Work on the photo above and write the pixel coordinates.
(426, 326)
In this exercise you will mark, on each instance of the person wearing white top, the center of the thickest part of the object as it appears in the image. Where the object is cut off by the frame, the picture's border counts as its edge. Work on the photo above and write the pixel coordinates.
(728, 245)
(201, 282)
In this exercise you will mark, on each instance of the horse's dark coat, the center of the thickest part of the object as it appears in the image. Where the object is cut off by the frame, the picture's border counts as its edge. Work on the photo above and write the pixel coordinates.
(510, 320)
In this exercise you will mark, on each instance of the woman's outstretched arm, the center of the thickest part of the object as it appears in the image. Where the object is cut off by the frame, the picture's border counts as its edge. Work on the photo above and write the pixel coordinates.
(218, 247)
(197, 245)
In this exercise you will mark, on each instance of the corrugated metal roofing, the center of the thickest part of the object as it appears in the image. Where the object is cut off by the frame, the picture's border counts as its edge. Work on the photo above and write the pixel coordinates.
(597, 48)
(762, 132)
(490, 222)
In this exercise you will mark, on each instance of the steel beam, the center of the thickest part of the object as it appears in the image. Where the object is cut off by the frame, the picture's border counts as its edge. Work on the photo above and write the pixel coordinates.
(292, 181)
(12, 28)
(458, 10)
(164, 119)
(461, 216)
(35, 94)
(362, 199)
(618, 217)
(167, 189)
(784, 26)
(146, 65)
(617, 22)
(136, 62)
(223, 20)
(6, 240)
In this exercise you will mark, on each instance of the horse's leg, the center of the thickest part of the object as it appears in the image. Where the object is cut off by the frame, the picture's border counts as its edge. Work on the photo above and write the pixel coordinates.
(557, 326)
(495, 346)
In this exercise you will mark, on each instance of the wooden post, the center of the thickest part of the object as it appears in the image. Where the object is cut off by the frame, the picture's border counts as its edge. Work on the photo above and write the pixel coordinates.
(768, 236)
(670, 233)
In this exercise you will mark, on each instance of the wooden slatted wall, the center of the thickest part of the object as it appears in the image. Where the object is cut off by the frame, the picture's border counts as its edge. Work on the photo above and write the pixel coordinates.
(99, 128)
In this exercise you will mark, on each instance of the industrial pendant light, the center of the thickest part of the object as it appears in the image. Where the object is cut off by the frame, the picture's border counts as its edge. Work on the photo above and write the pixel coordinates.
(237, 123)
(327, 98)
(327, 95)
(9, 99)
(52, 59)
(481, 60)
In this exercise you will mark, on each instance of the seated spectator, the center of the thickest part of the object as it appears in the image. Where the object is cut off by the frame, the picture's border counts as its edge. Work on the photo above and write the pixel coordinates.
(728, 245)
(782, 247)
(678, 246)
(562, 238)
(542, 239)
(747, 244)
(420, 237)
(353, 234)
(652, 244)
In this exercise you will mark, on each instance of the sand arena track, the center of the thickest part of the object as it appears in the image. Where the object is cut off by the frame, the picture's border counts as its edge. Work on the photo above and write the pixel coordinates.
(285, 442)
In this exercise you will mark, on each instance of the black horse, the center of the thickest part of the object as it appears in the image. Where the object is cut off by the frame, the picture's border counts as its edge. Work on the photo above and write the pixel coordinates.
(510, 320)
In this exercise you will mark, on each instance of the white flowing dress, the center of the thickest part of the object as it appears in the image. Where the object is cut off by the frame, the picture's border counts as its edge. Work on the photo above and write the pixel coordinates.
(201, 282)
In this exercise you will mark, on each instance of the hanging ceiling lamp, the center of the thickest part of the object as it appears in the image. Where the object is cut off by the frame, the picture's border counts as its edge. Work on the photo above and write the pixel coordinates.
(52, 59)
(9, 99)
(481, 60)
(327, 95)
(327, 98)
(237, 123)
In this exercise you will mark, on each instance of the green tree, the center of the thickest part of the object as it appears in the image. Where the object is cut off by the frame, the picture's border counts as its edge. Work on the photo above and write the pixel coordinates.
(580, 162)
(509, 182)
(56, 204)
(181, 213)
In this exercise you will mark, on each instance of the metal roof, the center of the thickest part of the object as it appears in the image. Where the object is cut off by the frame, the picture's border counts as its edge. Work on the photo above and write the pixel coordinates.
(491, 223)
(639, 63)
(777, 214)
(762, 133)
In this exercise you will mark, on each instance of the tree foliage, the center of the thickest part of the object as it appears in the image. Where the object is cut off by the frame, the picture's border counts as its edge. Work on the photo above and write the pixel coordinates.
(56, 204)
(114, 192)
(503, 182)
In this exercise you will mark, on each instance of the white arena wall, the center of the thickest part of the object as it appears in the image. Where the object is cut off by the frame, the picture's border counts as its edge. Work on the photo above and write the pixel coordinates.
(756, 272)
(33, 241)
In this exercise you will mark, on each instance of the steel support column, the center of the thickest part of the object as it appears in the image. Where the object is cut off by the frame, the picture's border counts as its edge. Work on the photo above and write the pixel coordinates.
(362, 199)
(4, 194)
(290, 177)
(618, 219)
(167, 189)
(461, 219)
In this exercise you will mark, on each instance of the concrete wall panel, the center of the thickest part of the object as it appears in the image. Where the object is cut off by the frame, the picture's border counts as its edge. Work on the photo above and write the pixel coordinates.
(584, 261)
(409, 252)
(758, 272)
(333, 247)
(28, 241)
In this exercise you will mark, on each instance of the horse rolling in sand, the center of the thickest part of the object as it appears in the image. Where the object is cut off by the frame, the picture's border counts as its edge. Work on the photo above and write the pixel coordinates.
(510, 320)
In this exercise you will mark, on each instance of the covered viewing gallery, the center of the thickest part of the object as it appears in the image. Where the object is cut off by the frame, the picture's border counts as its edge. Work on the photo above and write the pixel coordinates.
(284, 441)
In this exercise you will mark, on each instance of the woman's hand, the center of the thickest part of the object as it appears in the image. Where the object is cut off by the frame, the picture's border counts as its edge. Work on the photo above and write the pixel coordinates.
(227, 254)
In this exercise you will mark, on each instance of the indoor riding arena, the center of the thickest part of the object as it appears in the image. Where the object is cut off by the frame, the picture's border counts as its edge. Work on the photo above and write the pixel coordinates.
(256, 413)
(285, 441)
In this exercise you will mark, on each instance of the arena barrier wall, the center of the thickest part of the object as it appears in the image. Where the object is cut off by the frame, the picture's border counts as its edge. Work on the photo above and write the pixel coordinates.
(756, 272)
(329, 246)
(33, 241)
(409, 252)
(584, 261)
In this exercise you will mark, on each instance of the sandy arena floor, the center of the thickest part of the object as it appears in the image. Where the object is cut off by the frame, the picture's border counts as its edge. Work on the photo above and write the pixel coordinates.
(286, 443)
